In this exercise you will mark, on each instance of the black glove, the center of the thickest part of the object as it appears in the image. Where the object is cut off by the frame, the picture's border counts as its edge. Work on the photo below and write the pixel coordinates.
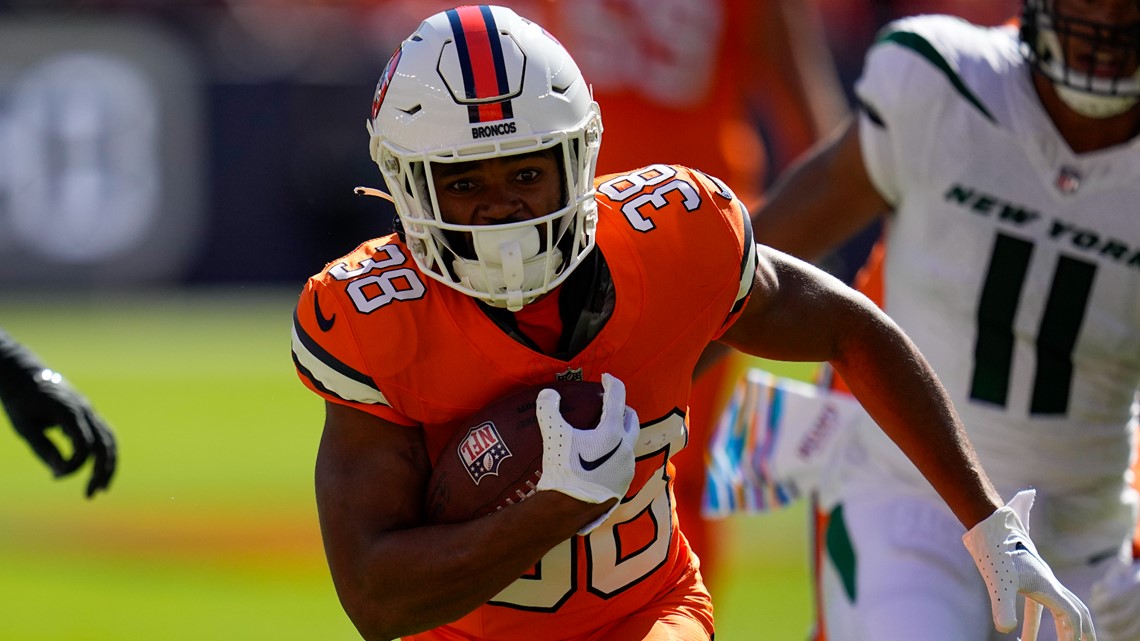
(37, 398)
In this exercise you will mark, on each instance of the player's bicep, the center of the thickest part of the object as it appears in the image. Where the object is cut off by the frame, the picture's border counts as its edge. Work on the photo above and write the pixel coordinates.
(796, 312)
(370, 477)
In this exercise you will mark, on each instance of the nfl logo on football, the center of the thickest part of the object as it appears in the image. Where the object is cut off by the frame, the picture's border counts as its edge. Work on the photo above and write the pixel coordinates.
(482, 451)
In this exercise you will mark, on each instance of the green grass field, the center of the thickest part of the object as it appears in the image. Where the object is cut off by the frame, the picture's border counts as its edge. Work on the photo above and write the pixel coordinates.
(209, 530)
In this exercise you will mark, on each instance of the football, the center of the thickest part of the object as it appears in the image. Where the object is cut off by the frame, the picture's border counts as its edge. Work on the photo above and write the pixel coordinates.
(494, 459)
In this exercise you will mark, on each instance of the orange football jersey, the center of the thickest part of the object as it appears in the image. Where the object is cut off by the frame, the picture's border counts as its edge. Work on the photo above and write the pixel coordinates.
(373, 332)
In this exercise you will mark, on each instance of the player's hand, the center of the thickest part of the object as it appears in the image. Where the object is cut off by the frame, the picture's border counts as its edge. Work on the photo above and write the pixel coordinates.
(45, 400)
(1010, 565)
(1116, 601)
(591, 465)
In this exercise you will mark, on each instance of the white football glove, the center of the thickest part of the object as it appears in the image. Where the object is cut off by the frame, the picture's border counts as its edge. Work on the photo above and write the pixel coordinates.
(1116, 601)
(591, 465)
(1010, 565)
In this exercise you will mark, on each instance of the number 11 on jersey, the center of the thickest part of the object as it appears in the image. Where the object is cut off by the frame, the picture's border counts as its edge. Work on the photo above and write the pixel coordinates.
(1056, 335)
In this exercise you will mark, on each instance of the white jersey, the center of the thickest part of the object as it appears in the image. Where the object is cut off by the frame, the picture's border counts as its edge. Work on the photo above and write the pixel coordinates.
(1014, 265)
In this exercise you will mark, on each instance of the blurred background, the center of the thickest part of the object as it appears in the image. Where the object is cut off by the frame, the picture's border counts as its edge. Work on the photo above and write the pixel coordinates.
(170, 173)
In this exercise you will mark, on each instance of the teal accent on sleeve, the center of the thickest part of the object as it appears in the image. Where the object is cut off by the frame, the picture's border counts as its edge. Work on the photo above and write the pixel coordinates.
(840, 551)
(922, 47)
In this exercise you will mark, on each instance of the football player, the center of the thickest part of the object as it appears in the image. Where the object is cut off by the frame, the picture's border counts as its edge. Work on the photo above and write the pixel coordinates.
(740, 62)
(514, 267)
(1005, 162)
(37, 399)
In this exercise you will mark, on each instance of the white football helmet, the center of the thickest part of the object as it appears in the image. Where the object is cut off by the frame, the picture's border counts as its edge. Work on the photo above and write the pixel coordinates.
(479, 82)
(1048, 35)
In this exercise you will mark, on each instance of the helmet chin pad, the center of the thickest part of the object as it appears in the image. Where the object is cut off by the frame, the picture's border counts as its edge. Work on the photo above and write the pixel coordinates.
(500, 246)
(509, 261)
(1091, 105)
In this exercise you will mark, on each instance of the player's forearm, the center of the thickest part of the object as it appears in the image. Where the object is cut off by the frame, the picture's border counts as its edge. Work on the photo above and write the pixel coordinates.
(901, 392)
(417, 579)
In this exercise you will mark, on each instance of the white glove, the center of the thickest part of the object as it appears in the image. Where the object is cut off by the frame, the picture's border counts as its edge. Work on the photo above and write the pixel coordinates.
(591, 465)
(1116, 601)
(1010, 565)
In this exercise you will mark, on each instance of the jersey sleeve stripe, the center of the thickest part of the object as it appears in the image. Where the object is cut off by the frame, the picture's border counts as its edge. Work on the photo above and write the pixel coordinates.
(331, 375)
(870, 112)
(313, 380)
(922, 47)
(747, 263)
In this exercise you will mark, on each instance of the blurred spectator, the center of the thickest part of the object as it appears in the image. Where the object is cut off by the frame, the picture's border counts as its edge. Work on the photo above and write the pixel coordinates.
(851, 25)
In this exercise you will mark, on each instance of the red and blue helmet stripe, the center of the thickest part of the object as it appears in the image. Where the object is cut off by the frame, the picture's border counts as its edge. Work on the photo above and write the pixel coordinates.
(481, 61)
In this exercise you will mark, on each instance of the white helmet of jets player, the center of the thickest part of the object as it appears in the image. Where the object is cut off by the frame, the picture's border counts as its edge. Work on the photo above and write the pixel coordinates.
(480, 82)
(1091, 52)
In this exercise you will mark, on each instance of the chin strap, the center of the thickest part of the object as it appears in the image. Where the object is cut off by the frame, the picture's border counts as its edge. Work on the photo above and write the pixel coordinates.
(373, 192)
(510, 261)
(1091, 105)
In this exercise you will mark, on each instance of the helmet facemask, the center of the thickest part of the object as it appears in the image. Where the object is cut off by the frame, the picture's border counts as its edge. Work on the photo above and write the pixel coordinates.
(1107, 80)
(509, 264)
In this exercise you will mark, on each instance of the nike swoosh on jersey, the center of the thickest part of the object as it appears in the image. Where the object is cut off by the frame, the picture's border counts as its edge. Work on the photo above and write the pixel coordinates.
(590, 466)
(324, 323)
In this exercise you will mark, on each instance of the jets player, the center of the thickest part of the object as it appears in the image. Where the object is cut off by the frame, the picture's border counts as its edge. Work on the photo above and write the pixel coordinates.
(514, 268)
(1007, 165)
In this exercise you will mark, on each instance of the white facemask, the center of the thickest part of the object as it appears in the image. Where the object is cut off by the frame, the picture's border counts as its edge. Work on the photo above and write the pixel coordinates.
(1065, 81)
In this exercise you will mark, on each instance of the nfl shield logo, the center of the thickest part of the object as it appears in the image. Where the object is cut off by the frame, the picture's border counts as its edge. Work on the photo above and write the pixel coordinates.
(570, 375)
(482, 451)
(1068, 180)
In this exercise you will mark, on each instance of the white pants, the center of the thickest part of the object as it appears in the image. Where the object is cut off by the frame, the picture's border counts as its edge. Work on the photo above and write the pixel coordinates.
(893, 567)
